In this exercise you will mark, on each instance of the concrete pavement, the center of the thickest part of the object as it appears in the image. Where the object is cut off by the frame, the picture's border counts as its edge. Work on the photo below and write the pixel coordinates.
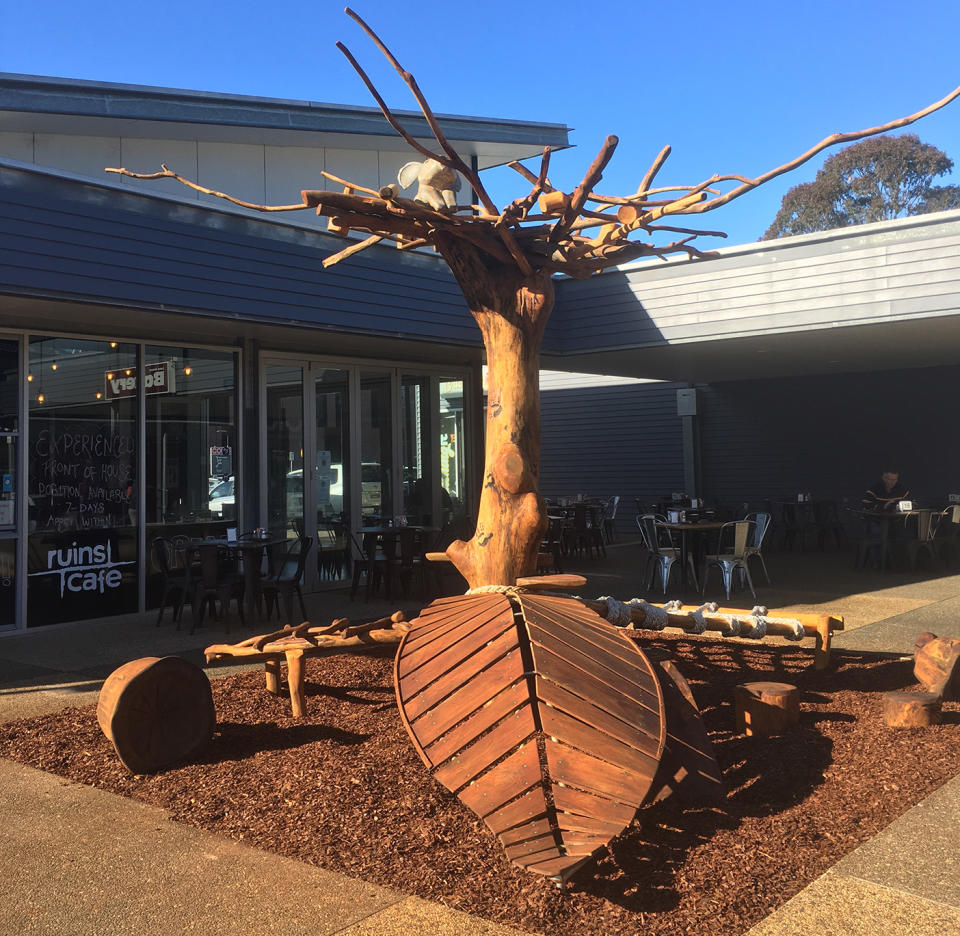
(81, 861)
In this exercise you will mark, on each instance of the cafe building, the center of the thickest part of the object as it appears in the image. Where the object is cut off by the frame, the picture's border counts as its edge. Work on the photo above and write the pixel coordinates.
(173, 365)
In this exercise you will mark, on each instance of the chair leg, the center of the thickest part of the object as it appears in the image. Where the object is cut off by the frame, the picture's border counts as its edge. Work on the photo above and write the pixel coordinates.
(303, 608)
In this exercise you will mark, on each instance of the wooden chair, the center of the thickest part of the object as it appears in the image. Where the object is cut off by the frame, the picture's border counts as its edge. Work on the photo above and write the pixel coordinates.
(731, 555)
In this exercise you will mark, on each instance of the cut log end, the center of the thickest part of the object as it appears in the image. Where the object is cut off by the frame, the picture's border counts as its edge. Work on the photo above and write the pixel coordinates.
(911, 709)
(766, 708)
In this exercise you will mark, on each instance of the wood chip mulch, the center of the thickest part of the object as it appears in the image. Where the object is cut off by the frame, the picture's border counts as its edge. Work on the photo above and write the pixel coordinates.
(345, 790)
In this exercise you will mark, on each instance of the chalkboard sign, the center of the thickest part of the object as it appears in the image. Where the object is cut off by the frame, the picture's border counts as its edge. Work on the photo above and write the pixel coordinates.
(82, 474)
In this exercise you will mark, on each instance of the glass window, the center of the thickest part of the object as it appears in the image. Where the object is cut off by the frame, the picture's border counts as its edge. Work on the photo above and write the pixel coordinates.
(453, 461)
(416, 449)
(82, 543)
(376, 446)
(191, 428)
(285, 506)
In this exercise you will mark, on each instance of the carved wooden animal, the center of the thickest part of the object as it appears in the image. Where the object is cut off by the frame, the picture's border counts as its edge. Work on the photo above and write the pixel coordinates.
(437, 185)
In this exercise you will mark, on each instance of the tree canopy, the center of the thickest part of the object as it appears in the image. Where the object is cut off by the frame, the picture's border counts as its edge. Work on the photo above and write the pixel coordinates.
(877, 179)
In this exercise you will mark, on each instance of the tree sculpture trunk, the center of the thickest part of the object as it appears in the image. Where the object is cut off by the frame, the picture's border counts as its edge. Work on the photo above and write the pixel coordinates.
(512, 311)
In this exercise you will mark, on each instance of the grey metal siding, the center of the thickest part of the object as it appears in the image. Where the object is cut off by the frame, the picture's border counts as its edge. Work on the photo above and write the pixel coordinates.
(830, 436)
(602, 441)
(894, 270)
(67, 239)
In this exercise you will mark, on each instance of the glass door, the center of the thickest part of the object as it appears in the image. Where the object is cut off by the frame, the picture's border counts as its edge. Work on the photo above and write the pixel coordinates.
(332, 472)
(285, 500)
(9, 454)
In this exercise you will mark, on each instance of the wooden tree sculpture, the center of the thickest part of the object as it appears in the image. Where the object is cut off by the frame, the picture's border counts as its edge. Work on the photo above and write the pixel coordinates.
(548, 722)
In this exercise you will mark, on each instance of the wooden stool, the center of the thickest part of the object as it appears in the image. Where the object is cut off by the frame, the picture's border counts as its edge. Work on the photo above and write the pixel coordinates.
(937, 665)
(911, 709)
(766, 708)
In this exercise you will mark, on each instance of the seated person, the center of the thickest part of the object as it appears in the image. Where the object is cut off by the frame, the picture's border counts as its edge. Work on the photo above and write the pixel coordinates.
(885, 493)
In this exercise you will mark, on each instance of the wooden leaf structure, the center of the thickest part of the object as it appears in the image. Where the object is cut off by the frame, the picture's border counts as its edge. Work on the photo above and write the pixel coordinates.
(543, 719)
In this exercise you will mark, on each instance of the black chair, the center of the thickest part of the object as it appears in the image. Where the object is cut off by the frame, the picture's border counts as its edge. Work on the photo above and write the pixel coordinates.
(331, 551)
(218, 581)
(369, 562)
(175, 578)
(826, 519)
(287, 581)
(586, 532)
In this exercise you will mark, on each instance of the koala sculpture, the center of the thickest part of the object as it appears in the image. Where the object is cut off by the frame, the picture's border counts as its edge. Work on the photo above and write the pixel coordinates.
(437, 186)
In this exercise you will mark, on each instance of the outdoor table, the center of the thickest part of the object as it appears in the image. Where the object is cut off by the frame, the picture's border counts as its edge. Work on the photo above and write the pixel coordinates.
(250, 550)
(700, 528)
(886, 518)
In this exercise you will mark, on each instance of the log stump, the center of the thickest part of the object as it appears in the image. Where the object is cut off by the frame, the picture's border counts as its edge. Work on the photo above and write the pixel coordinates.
(157, 711)
(911, 709)
(936, 665)
(766, 708)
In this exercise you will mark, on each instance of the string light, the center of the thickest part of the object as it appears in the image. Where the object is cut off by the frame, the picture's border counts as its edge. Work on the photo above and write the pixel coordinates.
(54, 366)
(113, 344)
(188, 371)
(109, 375)
(128, 372)
(99, 394)
(40, 398)
(29, 378)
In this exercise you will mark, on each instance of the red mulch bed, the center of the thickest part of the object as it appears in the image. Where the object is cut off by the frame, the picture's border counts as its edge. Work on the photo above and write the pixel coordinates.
(345, 790)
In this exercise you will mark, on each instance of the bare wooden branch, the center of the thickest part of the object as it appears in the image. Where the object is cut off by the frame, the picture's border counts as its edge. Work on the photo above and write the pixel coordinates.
(832, 140)
(166, 173)
(453, 159)
(351, 250)
(593, 175)
(346, 184)
(655, 167)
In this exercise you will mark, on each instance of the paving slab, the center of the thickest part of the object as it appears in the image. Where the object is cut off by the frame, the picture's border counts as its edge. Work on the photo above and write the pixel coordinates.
(837, 905)
(416, 917)
(83, 862)
(927, 833)
(897, 634)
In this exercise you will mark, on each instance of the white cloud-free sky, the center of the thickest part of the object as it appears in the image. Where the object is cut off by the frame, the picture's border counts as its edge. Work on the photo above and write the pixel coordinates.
(734, 86)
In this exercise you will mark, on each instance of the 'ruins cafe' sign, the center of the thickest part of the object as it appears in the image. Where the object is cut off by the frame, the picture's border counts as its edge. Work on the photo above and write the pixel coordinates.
(86, 568)
(157, 378)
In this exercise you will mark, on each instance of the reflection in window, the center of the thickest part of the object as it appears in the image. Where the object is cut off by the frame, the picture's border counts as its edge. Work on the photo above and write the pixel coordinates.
(285, 448)
(191, 438)
(453, 462)
(416, 449)
(82, 545)
(376, 446)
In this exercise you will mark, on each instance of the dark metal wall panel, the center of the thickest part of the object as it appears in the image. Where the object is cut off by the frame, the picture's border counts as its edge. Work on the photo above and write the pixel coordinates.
(830, 436)
(602, 441)
(68, 239)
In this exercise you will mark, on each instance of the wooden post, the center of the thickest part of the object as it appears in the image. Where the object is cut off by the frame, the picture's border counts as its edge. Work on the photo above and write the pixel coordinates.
(936, 665)
(911, 709)
(272, 675)
(295, 679)
(766, 708)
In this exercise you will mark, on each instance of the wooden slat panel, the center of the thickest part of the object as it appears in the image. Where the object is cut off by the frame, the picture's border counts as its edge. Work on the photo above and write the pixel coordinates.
(571, 615)
(446, 638)
(575, 733)
(591, 806)
(539, 828)
(541, 848)
(484, 718)
(520, 771)
(555, 867)
(584, 684)
(584, 847)
(433, 723)
(581, 770)
(532, 804)
(442, 619)
(569, 824)
(619, 676)
(438, 658)
(452, 681)
(638, 734)
(478, 757)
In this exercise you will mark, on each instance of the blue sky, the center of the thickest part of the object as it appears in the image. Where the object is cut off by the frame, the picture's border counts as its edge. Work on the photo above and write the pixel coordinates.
(732, 86)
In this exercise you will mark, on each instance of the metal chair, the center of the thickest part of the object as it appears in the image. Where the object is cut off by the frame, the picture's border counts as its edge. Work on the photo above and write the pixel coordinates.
(175, 578)
(731, 555)
(665, 555)
(288, 580)
(609, 518)
(761, 521)
(217, 582)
